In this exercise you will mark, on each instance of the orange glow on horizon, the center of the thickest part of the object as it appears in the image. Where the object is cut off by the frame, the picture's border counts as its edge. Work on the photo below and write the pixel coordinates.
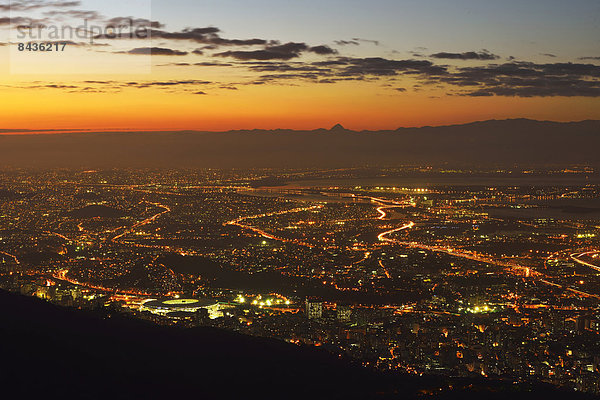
(306, 106)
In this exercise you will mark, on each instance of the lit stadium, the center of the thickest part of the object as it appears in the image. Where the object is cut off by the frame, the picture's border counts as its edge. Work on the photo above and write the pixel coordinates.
(166, 306)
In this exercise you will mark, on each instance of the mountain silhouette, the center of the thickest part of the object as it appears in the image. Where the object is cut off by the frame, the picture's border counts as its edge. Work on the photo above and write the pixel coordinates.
(485, 143)
(338, 128)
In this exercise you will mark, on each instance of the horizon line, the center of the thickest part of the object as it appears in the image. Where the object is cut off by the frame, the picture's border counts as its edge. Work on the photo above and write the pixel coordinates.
(338, 127)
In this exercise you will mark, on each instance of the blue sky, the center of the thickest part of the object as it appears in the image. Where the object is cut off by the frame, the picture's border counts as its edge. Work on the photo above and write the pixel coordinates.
(518, 28)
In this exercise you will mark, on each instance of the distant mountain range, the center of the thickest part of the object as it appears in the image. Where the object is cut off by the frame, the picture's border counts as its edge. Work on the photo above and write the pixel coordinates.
(486, 143)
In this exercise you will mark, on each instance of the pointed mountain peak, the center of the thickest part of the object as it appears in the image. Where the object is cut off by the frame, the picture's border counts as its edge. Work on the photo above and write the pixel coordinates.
(338, 128)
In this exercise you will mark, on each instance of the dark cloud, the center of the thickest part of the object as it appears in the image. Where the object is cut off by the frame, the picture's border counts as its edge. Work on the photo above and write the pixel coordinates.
(194, 34)
(52, 86)
(198, 52)
(257, 55)
(376, 66)
(322, 50)
(156, 51)
(60, 87)
(158, 84)
(542, 88)
(567, 69)
(211, 38)
(339, 61)
(346, 69)
(285, 51)
(27, 5)
(548, 55)
(526, 79)
(212, 64)
(290, 76)
(105, 86)
(208, 35)
(181, 64)
(589, 58)
(336, 70)
(166, 83)
(469, 55)
(199, 64)
(518, 79)
(347, 42)
(100, 82)
(74, 14)
(286, 67)
(373, 42)
(290, 47)
(134, 22)
(87, 89)
(22, 22)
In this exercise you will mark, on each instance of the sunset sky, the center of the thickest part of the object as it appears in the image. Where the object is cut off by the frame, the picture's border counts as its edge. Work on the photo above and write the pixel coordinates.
(223, 64)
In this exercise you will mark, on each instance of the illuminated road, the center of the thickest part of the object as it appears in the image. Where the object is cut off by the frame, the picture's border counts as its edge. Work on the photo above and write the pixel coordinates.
(11, 256)
(387, 273)
(60, 236)
(570, 289)
(582, 293)
(574, 257)
(383, 214)
(147, 221)
(383, 237)
(487, 260)
(62, 276)
(267, 235)
(365, 258)
(577, 258)
(387, 205)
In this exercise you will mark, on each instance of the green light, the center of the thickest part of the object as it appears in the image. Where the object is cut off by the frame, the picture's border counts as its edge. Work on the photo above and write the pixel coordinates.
(180, 301)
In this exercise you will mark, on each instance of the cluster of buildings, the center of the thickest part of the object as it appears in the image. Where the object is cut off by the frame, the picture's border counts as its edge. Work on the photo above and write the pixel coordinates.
(483, 281)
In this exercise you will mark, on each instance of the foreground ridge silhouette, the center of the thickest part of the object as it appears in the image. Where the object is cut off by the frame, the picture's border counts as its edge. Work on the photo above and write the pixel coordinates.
(85, 355)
